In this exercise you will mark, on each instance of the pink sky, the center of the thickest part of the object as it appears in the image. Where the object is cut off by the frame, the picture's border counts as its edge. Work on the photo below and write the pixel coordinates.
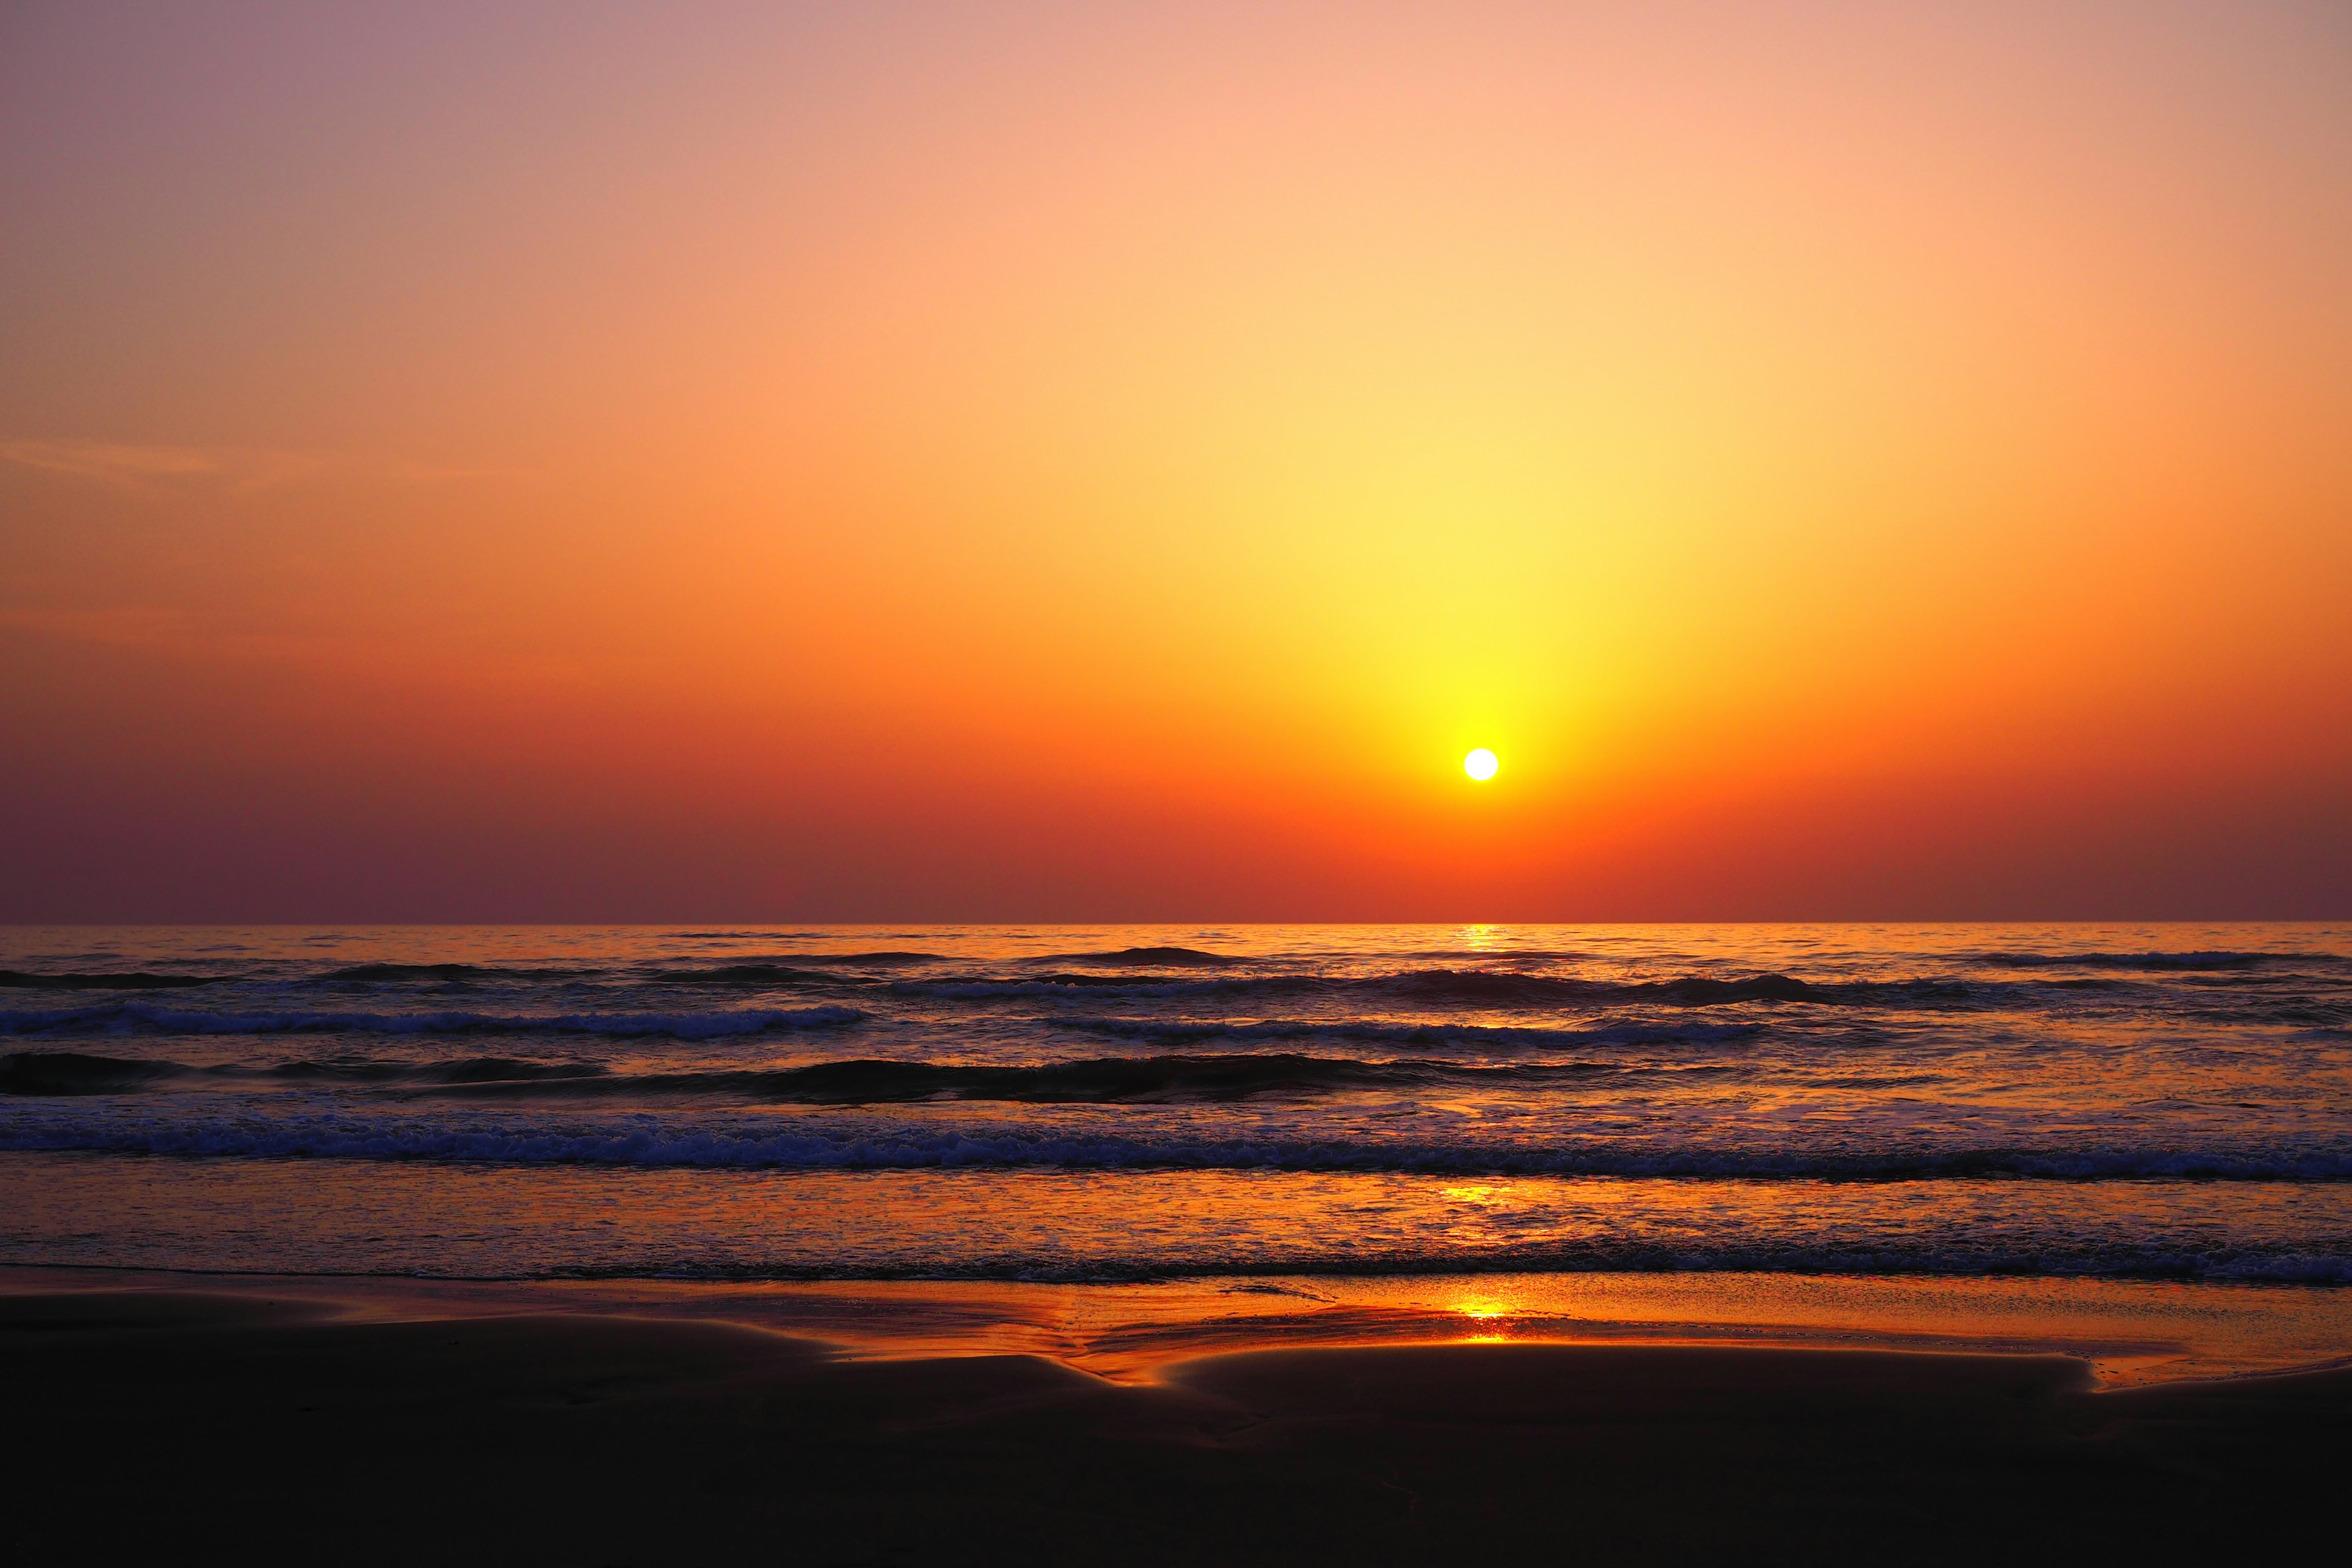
(1062, 462)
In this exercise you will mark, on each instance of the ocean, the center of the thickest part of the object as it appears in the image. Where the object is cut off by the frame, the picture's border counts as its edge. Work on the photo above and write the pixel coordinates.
(1115, 1104)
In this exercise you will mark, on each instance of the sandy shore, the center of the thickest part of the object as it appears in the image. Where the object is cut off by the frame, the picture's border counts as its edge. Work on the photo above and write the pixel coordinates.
(188, 1422)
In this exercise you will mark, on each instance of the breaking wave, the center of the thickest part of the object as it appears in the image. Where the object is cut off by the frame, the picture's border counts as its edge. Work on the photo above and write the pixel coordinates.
(756, 1142)
(1892, 1095)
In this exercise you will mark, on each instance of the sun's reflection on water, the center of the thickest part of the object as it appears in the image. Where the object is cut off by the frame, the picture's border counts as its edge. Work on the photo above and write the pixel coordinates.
(1478, 1193)
(1487, 1317)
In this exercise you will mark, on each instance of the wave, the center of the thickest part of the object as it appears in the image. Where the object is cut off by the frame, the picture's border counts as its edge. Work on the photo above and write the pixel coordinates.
(135, 980)
(407, 972)
(884, 956)
(449, 972)
(73, 1072)
(751, 974)
(757, 1142)
(2323, 1017)
(70, 1072)
(715, 936)
(1151, 957)
(1941, 1257)
(2155, 962)
(764, 973)
(1105, 1080)
(785, 971)
(1409, 1035)
(467, 1071)
(141, 1018)
(1477, 987)
(1692, 990)
(984, 988)
(1108, 1080)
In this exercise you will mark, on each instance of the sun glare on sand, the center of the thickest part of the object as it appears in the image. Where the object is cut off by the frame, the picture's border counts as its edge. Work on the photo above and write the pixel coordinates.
(1480, 764)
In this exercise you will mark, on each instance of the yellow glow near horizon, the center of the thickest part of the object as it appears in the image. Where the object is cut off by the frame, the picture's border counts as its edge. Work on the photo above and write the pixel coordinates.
(1481, 765)
(1001, 462)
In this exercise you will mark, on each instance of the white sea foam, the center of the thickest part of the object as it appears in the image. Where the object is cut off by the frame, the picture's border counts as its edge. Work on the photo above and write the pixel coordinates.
(872, 1143)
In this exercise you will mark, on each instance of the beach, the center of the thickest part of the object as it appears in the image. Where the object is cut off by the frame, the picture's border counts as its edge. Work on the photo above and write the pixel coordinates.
(1208, 784)
(226, 1418)
(1186, 1244)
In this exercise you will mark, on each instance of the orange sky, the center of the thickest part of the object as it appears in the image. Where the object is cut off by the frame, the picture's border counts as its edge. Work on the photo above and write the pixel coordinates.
(1082, 462)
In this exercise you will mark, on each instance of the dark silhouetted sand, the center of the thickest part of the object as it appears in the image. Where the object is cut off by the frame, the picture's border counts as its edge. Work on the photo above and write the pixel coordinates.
(172, 1427)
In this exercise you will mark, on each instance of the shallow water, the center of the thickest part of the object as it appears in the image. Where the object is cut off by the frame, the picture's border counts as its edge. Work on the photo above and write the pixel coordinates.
(1121, 1104)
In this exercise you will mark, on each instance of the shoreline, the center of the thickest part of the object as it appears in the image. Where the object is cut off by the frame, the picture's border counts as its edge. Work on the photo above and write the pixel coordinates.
(476, 1425)
(2125, 1333)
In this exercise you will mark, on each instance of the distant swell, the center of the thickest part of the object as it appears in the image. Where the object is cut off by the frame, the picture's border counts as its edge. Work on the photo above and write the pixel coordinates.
(1487, 1035)
(450, 972)
(143, 1018)
(1151, 957)
(139, 979)
(1475, 988)
(406, 971)
(784, 972)
(751, 975)
(1690, 990)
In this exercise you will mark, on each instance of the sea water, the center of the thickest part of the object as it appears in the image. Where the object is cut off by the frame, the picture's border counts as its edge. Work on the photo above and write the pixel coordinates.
(1079, 1104)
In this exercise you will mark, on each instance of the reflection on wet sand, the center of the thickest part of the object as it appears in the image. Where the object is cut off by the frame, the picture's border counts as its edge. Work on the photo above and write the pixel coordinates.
(2126, 1332)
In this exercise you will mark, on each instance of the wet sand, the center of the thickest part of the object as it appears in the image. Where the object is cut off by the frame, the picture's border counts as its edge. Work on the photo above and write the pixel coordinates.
(194, 1424)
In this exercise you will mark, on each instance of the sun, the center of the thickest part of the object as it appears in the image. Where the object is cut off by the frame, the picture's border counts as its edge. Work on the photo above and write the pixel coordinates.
(1481, 765)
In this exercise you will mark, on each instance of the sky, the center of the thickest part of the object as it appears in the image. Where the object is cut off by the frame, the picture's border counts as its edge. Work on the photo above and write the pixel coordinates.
(1064, 462)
